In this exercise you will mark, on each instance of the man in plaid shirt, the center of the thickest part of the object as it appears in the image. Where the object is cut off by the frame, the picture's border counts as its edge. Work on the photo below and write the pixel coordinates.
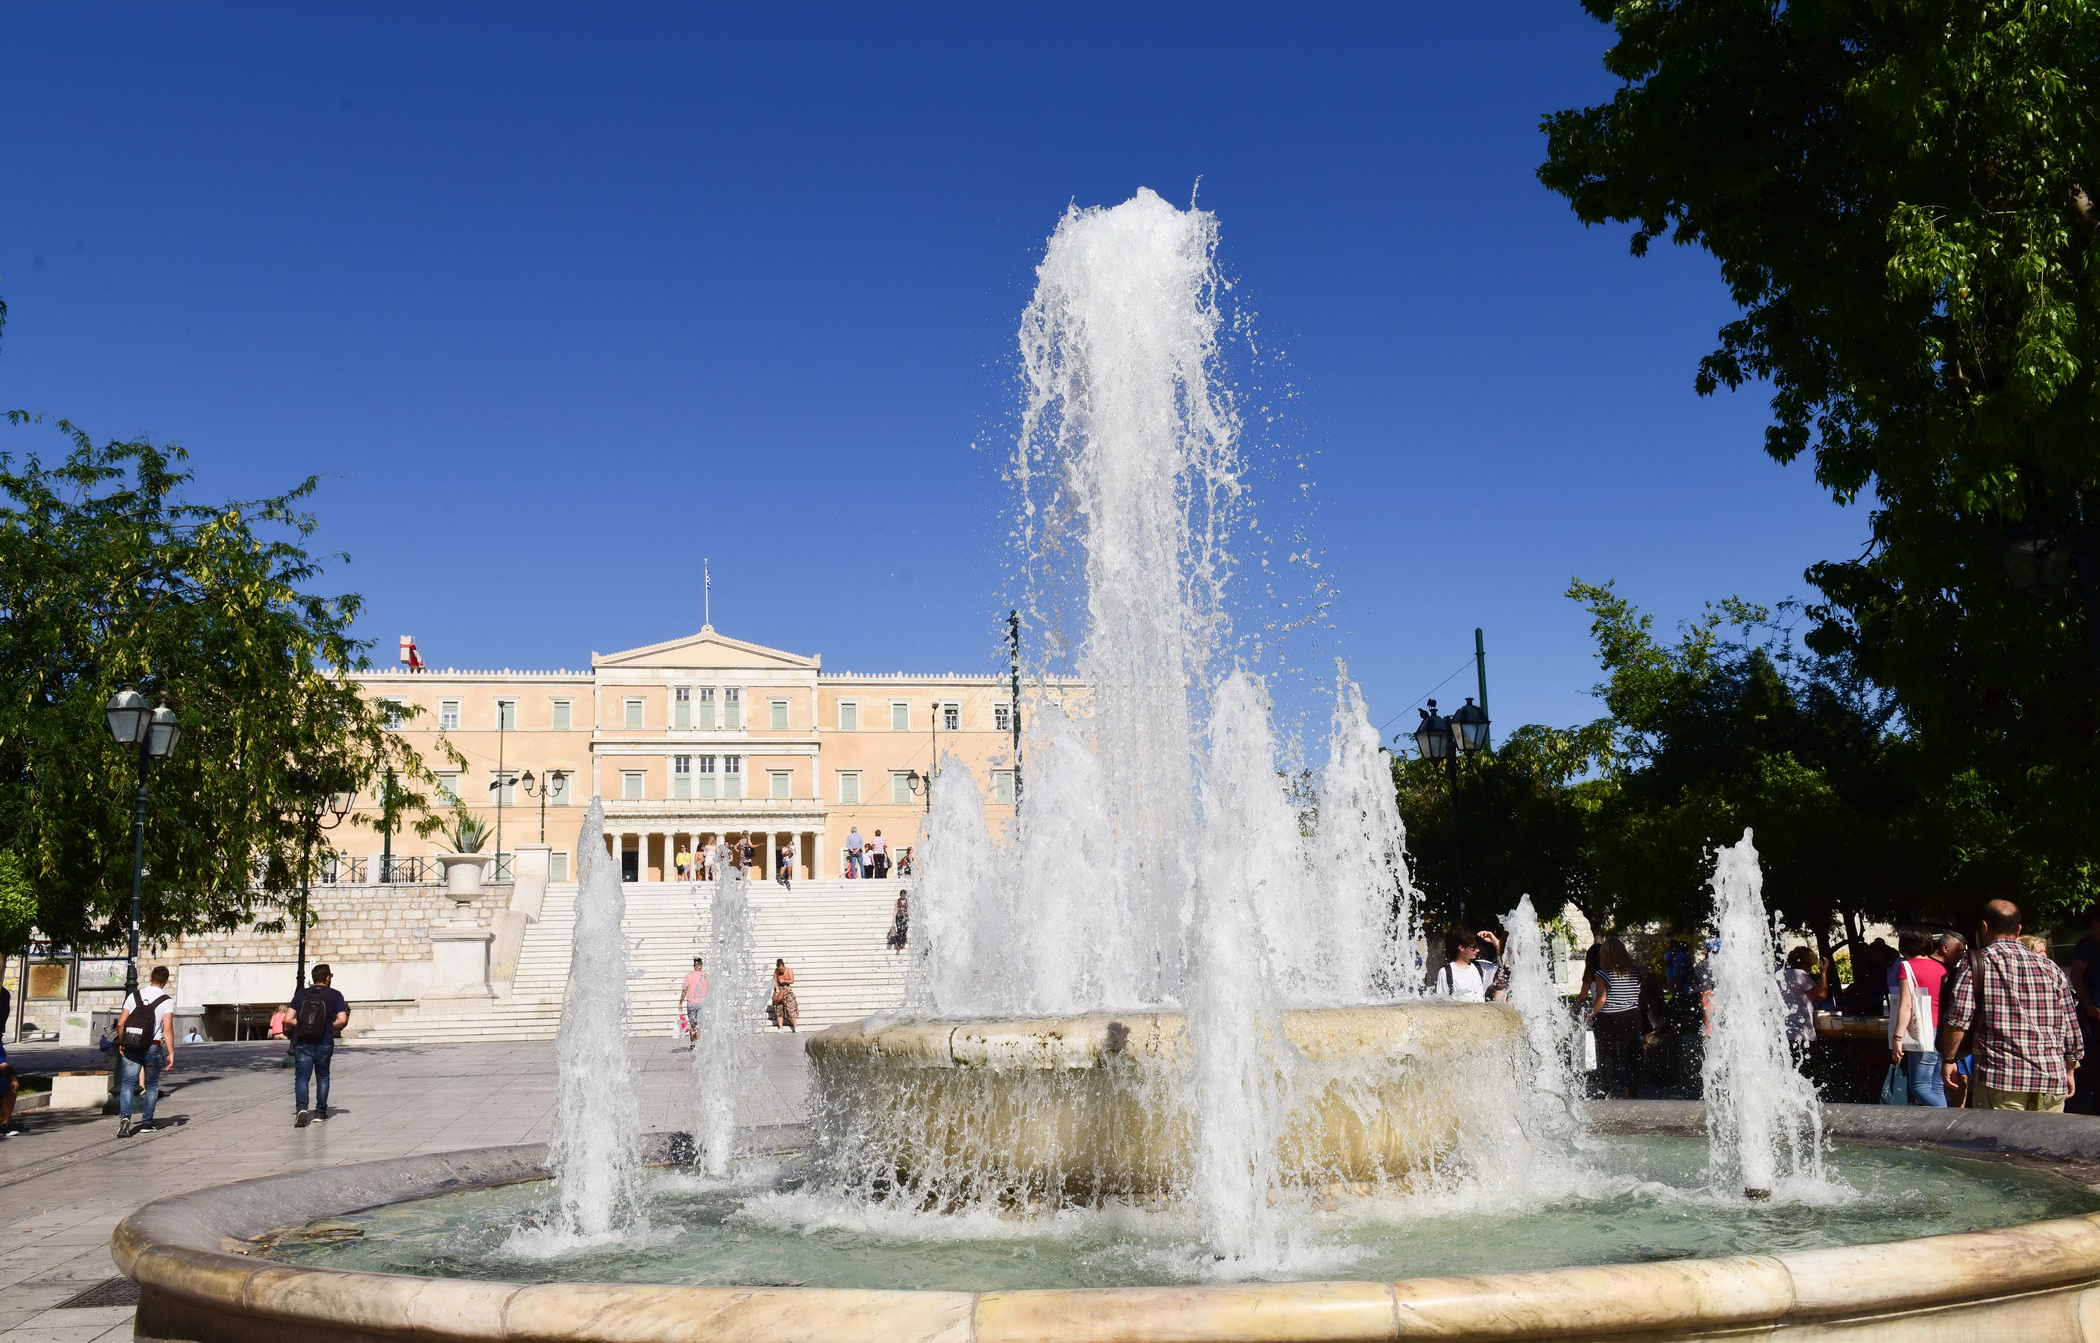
(2027, 1039)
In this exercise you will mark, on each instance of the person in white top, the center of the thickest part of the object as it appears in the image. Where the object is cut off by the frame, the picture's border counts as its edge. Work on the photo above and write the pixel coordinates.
(1463, 980)
(145, 1049)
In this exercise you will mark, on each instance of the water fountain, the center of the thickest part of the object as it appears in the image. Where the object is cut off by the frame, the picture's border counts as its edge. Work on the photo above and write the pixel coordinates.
(724, 1052)
(1765, 1120)
(1163, 1074)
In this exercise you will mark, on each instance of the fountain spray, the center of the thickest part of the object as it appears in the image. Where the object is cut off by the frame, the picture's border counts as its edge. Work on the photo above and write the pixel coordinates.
(595, 1145)
(1763, 1120)
(1548, 1026)
(722, 1056)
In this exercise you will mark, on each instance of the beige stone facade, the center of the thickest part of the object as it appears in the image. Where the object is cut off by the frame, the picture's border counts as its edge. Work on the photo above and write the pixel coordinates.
(692, 740)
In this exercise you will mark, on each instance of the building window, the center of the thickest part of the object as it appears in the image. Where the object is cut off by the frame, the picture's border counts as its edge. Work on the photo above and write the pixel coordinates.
(634, 713)
(900, 716)
(849, 715)
(557, 866)
(780, 784)
(1003, 786)
(562, 710)
(681, 707)
(507, 714)
(448, 715)
(732, 708)
(707, 708)
(631, 784)
(1002, 717)
(448, 787)
(394, 710)
(951, 717)
(780, 715)
(849, 787)
(900, 787)
(558, 789)
(704, 766)
(733, 777)
(681, 776)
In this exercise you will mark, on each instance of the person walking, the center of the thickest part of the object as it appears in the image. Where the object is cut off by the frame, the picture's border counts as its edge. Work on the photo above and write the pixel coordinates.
(684, 861)
(855, 846)
(691, 995)
(145, 1050)
(784, 1009)
(746, 854)
(784, 865)
(318, 1012)
(2018, 1013)
(879, 857)
(900, 923)
(1615, 1015)
(12, 1084)
(1951, 949)
(1799, 987)
(1914, 1037)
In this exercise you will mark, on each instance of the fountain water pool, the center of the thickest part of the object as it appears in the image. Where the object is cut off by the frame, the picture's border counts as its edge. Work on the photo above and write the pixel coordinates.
(1164, 1062)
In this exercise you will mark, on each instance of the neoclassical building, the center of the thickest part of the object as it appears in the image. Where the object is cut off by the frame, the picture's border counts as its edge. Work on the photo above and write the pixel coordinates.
(687, 741)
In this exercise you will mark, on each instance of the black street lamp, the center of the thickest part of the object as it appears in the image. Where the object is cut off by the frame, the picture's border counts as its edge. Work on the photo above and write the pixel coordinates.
(920, 784)
(153, 733)
(542, 787)
(1446, 739)
(317, 810)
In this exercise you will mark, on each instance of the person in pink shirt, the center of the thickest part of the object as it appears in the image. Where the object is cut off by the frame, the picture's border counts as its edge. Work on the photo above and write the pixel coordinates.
(691, 996)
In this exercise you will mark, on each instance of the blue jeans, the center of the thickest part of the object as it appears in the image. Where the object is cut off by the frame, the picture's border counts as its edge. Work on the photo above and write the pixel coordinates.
(128, 1080)
(1922, 1072)
(311, 1060)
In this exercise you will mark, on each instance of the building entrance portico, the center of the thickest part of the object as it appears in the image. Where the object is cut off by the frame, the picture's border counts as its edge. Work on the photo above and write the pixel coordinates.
(646, 845)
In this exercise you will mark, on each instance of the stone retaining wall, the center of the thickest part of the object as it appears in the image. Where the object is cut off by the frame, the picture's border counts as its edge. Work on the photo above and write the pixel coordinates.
(349, 923)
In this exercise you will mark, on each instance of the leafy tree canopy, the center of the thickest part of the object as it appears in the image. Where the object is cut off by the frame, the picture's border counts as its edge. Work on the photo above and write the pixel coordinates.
(1902, 197)
(107, 577)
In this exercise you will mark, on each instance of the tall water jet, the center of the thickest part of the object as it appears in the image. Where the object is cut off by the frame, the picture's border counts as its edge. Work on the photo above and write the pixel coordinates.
(724, 1053)
(595, 1144)
(1550, 1030)
(1762, 1115)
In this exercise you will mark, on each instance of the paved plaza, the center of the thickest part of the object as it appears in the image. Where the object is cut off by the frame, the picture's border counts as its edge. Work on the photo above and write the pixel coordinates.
(226, 1114)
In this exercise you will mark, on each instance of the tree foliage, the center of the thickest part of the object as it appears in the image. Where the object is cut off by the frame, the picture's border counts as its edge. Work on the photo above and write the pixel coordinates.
(1902, 199)
(107, 577)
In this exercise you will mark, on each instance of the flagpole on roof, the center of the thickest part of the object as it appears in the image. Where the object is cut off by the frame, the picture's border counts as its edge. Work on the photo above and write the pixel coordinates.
(707, 597)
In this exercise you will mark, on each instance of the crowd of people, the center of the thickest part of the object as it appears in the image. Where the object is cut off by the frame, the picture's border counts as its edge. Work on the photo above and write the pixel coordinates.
(1988, 1021)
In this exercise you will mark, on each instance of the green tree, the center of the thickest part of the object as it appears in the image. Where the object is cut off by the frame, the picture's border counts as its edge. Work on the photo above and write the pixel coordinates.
(1901, 196)
(107, 577)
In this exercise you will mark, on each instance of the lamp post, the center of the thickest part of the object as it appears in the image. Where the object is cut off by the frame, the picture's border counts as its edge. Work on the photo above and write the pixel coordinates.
(317, 811)
(1445, 739)
(153, 732)
(386, 829)
(918, 784)
(542, 787)
(502, 777)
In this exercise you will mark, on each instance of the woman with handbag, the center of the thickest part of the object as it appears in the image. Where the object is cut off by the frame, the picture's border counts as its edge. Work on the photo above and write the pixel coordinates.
(1914, 995)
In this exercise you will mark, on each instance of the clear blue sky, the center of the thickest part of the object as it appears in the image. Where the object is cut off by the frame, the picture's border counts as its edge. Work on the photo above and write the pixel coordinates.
(563, 297)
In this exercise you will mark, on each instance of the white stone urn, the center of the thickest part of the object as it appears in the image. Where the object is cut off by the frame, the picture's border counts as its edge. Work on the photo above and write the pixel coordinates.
(463, 873)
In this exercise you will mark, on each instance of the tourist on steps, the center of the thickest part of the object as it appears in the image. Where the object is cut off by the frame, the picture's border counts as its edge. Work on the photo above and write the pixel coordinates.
(784, 865)
(878, 857)
(900, 924)
(783, 1010)
(855, 845)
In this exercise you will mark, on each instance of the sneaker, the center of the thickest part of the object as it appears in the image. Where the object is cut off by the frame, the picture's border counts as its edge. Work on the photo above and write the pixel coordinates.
(123, 1128)
(321, 1115)
(305, 1117)
(147, 1127)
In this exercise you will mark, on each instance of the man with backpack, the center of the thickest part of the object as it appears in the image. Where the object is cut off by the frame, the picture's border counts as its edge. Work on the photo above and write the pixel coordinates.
(318, 1012)
(145, 1045)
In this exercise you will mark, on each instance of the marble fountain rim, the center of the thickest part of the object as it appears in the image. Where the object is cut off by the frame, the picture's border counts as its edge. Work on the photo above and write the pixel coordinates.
(2039, 1280)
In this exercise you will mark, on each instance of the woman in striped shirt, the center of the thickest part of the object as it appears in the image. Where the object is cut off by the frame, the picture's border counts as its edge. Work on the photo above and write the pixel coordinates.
(1615, 1016)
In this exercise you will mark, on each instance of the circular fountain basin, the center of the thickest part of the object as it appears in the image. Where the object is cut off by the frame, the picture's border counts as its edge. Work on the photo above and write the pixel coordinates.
(1085, 1108)
(198, 1260)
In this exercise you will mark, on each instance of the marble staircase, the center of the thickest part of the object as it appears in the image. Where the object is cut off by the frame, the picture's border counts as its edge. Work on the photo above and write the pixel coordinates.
(833, 933)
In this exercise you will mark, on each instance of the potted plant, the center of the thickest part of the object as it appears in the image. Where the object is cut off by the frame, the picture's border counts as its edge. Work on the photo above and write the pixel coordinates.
(463, 866)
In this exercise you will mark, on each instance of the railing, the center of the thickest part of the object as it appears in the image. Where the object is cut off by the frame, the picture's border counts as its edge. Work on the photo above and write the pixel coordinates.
(342, 870)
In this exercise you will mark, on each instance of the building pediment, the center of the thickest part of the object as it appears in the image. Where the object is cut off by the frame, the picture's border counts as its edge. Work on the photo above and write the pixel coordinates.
(707, 650)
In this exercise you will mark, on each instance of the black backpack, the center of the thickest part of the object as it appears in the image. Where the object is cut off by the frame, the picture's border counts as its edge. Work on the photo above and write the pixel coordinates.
(316, 1022)
(137, 1034)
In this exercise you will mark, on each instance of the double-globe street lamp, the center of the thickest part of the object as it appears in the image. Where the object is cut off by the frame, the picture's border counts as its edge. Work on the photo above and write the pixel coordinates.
(316, 809)
(542, 787)
(1445, 739)
(152, 732)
